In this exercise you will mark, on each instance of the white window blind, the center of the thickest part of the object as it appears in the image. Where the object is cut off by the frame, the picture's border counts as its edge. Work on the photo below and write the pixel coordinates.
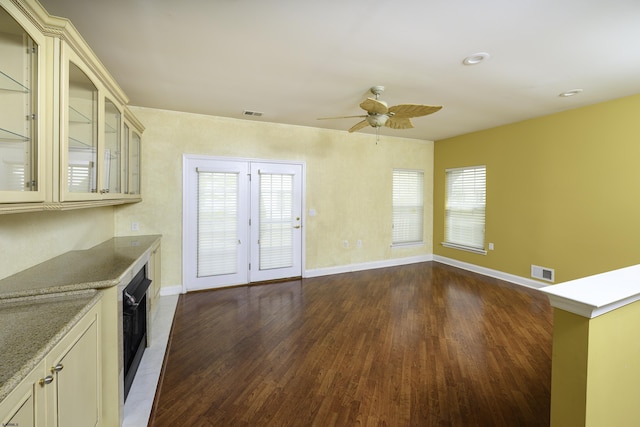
(79, 177)
(16, 181)
(217, 223)
(276, 221)
(465, 208)
(408, 206)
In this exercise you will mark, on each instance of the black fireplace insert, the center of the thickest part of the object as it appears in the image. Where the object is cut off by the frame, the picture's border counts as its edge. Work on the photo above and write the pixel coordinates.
(134, 325)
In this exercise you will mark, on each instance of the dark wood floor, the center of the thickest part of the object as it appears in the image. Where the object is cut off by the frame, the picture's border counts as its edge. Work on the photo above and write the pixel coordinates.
(418, 345)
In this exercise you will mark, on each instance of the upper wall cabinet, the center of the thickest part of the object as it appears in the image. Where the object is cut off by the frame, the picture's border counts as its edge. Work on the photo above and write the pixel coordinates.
(21, 130)
(67, 138)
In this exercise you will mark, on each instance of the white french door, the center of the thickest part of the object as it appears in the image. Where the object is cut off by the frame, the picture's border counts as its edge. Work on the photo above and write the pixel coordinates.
(242, 222)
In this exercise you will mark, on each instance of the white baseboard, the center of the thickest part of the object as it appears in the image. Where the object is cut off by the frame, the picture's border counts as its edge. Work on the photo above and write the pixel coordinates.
(170, 290)
(507, 277)
(317, 272)
(350, 268)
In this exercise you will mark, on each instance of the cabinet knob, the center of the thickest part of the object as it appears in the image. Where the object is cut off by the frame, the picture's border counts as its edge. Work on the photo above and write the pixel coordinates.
(59, 367)
(46, 380)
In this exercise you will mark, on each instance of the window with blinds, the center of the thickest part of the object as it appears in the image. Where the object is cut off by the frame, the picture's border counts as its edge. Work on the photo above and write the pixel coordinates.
(217, 233)
(408, 206)
(465, 208)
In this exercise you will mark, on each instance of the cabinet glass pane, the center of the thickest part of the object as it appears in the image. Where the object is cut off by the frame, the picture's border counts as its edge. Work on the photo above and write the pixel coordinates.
(18, 84)
(135, 164)
(125, 161)
(82, 148)
(112, 150)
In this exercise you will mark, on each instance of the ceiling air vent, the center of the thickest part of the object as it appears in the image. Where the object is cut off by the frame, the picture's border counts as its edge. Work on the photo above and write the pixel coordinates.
(252, 113)
(542, 273)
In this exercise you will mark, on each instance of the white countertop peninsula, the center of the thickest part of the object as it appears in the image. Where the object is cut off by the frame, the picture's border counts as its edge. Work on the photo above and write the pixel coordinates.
(595, 295)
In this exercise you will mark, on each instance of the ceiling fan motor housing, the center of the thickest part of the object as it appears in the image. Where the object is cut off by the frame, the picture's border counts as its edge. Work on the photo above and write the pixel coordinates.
(377, 120)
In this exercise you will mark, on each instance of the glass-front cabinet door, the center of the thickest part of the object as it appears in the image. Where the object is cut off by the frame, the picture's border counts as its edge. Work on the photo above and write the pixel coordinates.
(125, 159)
(82, 132)
(112, 182)
(21, 165)
(134, 164)
(131, 157)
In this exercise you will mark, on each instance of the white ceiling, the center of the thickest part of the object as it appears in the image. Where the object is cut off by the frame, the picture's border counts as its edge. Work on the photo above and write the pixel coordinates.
(297, 60)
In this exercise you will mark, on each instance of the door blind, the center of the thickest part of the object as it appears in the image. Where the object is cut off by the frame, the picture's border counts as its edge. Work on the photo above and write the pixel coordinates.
(217, 223)
(276, 221)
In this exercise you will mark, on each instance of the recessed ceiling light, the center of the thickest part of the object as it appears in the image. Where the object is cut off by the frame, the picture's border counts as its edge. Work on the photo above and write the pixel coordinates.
(570, 93)
(476, 58)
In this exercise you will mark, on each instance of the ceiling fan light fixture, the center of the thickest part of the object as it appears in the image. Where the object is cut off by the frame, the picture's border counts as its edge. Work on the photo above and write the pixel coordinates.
(569, 93)
(476, 58)
(377, 120)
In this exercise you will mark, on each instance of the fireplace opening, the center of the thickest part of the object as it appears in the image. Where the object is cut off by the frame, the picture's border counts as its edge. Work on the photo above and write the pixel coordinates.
(134, 325)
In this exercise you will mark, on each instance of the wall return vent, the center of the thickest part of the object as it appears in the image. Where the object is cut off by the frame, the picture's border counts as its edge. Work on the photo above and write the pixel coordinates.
(543, 273)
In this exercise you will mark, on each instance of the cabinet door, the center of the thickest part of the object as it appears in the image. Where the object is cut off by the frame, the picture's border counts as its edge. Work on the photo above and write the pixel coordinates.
(112, 153)
(134, 163)
(21, 165)
(25, 405)
(154, 274)
(79, 130)
(131, 161)
(77, 382)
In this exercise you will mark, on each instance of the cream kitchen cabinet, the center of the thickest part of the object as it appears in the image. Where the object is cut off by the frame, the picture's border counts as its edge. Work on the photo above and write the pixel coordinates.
(74, 393)
(132, 146)
(67, 138)
(155, 275)
(22, 77)
(64, 388)
(25, 406)
(91, 138)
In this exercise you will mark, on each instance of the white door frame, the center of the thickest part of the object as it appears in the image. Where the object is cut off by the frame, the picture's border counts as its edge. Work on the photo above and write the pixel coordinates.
(187, 208)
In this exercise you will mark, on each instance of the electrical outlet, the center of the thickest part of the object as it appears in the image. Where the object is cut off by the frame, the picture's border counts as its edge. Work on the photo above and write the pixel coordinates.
(345, 243)
(359, 243)
(135, 226)
(490, 246)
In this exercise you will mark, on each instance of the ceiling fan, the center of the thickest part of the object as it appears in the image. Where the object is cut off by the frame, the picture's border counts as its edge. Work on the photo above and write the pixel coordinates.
(378, 114)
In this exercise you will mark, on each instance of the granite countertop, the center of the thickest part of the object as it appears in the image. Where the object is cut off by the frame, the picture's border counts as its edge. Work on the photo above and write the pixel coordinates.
(32, 326)
(38, 306)
(98, 267)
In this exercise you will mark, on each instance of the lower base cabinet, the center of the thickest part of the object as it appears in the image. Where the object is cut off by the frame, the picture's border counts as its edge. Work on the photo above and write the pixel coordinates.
(154, 273)
(25, 406)
(64, 389)
(77, 378)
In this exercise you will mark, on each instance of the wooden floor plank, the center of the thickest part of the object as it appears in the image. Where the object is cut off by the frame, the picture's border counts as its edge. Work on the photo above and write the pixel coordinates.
(418, 345)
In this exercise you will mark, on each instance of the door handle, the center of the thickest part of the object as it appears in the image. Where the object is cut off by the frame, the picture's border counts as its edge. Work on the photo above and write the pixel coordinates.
(296, 226)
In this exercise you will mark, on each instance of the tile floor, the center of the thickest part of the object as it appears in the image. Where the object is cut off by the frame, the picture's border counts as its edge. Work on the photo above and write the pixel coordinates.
(137, 408)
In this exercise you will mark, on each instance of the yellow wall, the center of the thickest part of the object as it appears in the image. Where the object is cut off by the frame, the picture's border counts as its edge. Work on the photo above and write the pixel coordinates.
(348, 183)
(614, 373)
(563, 191)
(28, 239)
(595, 375)
(569, 369)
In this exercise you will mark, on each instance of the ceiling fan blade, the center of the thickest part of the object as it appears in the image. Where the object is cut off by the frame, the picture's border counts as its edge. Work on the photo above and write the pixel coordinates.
(341, 117)
(395, 122)
(374, 106)
(359, 125)
(405, 111)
